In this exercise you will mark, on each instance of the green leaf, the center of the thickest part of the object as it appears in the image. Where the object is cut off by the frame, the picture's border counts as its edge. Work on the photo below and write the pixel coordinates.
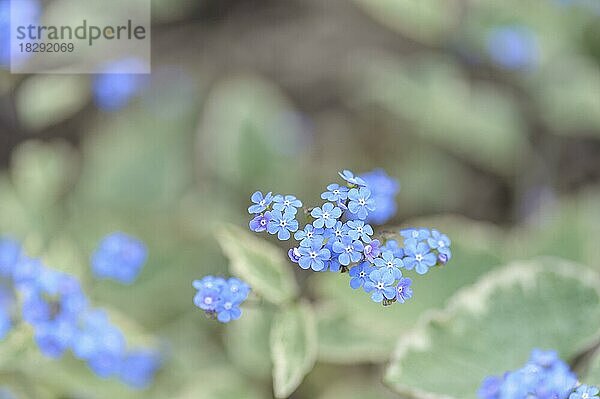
(424, 20)
(293, 347)
(492, 327)
(474, 121)
(44, 100)
(592, 377)
(342, 340)
(247, 343)
(259, 263)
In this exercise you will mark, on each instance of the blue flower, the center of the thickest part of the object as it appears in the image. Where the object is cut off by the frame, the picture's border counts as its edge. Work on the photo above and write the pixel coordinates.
(138, 368)
(513, 47)
(209, 282)
(294, 254)
(372, 250)
(261, 203)
(237, 288)
(359, 274)
(380, 285)
(383, 191)
(308, 234)
(207, 299)
(395, 248)
(10, 251)
(349, 250)
(326, 216)
(403, 290)
(350, 178)
(585, 392)
(314, 256)
(54, 338)
(113, 89)
(120, 257)
(228, 309)
(439, 241)
(418, 234)
(288, 204)
(391, 263)
(282, 225)
(442, 259)
(5, 322)
(338, 231)
(358, 230)
(360, 203)
(418, 257)
(260, 222)
(335, 193)
(490, 388)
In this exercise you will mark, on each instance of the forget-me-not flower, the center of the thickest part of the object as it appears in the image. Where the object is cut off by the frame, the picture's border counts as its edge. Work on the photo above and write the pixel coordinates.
(349, 250)
(380, 285)
(282, 225)
(261, 203)
(418, 256)
(326, 216)
(360, 202)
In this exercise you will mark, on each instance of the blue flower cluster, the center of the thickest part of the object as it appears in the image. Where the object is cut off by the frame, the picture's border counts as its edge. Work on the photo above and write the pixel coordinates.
(221, 298)
(544, 376)
(338, 236)
(54, 304)
(119, 257)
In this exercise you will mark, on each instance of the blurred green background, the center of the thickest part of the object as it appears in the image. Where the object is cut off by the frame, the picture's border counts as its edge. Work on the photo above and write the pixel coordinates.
(487, 112)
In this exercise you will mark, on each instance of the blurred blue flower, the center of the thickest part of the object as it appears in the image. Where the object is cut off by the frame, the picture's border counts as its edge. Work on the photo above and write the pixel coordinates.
(112, 89)
(391, 263)
(120, 257)
(282, 225)
(314, 256)
(286, 204)
(25, 12)
(260, 222)
(326, 216)
(5, 322)
(513, 47)
(380, 285)
(10, 251)
(360, 202)
(335, 193)
(139, 367)
(54, 337)
(383, 191)
(403, 290)
(543, 376)
(359, 274)
(358, 230)
(261, 203)
(418, 256)
(349, 250)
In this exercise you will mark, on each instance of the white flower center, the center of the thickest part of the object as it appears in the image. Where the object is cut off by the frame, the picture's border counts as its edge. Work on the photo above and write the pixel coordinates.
(390, 264)
(361, 201)
(286, 202)
(362, 274)
(263, 222)
(325, 215)
(400, 289)
(441, 244)
(418, 257)
(309, 234)
(312, 254)
(380, 285)
(368, 249)
(415, 234)
(359, 230)
(208, 300)
(283, 223)
(262, 202)
(336, 191)
(349, 248)
(227, 305)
